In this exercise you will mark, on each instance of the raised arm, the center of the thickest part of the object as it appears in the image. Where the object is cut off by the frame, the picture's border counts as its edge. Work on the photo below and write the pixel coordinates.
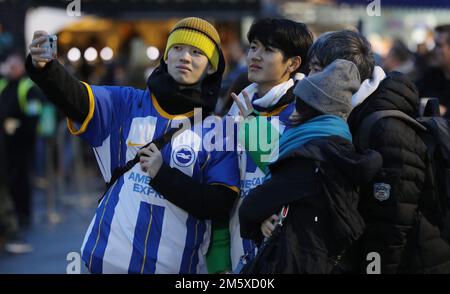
(64, 90)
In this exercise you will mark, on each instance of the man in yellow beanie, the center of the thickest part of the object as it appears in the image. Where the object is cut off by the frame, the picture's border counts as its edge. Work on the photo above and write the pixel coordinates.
(156, 215)
(198, 33)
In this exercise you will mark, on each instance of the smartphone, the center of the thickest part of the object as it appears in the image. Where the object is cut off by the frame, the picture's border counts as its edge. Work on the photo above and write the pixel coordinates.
(50, 47)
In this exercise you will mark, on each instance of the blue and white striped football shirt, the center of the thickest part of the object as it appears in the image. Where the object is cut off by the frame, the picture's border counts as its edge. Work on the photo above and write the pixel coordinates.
(135, 230)
(251, 177)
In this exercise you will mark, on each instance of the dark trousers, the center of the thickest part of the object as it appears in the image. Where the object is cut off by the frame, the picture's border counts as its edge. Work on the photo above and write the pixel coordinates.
(19, 169)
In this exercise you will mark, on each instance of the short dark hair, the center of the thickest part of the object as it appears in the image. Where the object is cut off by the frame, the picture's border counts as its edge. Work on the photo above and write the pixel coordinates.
(344, 44)
(292, 38)
(444, 29)
(400, 51)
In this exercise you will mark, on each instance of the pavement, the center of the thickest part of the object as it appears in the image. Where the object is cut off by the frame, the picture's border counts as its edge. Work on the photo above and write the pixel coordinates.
(53, 235)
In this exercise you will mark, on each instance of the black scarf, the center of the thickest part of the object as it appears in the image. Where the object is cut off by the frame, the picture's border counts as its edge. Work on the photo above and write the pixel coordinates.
(178, 101)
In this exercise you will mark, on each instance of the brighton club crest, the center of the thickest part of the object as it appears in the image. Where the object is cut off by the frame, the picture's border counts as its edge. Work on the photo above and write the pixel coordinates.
(183, 156)
(381, 191)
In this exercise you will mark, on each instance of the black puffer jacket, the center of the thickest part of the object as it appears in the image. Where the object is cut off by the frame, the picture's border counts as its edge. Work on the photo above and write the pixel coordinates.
(400, 228)
(319, 182)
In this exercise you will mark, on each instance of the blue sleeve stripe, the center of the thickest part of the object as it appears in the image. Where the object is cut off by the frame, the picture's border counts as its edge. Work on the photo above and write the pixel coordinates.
(146, 239)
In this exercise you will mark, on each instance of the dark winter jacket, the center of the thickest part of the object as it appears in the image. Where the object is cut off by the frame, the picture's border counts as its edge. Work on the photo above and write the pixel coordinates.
(19, 143)
(400, 225)
(319, 182)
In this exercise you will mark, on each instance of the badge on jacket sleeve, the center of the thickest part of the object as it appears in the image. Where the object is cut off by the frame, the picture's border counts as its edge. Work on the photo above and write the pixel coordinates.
(381, 191)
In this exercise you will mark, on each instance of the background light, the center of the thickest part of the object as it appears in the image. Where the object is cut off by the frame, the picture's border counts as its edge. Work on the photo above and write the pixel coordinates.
(90, 54)
(106, 53)
(152, 53)
(74, 54)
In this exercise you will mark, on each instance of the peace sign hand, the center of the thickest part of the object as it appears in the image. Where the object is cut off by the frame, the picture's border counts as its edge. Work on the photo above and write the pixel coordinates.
(246, 110)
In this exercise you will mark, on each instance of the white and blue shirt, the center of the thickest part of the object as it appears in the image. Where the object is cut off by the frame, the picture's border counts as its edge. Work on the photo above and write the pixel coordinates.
(251, 177)
(136, 230)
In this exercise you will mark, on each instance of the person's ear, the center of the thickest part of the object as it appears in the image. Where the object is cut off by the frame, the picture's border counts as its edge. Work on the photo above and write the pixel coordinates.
(210, 69)
(295, 63)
